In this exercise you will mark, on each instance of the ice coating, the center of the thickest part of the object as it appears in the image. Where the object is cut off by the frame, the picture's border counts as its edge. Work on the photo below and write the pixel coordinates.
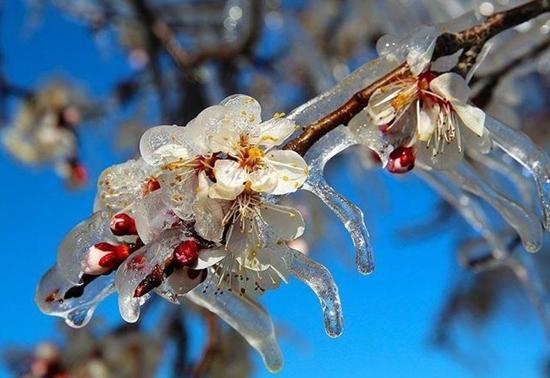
(496, 164)
(77, 310)
(469, 209)
(319, 279)
(152, 216)
(138, 266)
(246, 317)
(520, 147)
(419, 40)
(524, 222)
(77, 242)
(121, 184)
(350, 215)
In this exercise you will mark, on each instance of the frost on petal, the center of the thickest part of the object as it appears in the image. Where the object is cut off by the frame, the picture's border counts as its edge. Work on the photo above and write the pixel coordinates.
(524, 151)
(152, 216)
(349, 214)
(230, 180)
(421, 49)
(451, 86)
(149, 259)
(76, 304)
(523, 221)
(159, 144)
(286, 222)
(179, 283)
(179, 187)
(199, 130)
(246, 317)
(121, 184)
(244, 112)
(291, 169)
(472, 117)
(319, 279)
(209, 219)
(76, 244)
(273, 132)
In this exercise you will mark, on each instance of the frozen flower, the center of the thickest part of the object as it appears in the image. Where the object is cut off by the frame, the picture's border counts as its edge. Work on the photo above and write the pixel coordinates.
(424, 115)
(252, 162)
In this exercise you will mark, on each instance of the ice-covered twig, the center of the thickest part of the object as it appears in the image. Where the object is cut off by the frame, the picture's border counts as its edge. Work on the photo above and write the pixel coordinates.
(350, 215)
(446, 44)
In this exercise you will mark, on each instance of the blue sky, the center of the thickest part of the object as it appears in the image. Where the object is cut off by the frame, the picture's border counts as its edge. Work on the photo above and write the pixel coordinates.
(388, 315)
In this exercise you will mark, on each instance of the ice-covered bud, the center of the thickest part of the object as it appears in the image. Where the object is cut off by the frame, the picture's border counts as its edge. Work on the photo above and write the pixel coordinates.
(151, 185)
(401, 160)
(186, 253)
(122, 224)
(103, 257)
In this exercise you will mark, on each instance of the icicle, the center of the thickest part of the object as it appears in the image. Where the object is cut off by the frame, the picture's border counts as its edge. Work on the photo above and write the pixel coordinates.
(319, 279)
(53, 297)
(507, 171)
(350, 215)
(246, 317)
(525, 223)
(532, 157)
(470, 210)
(77, 242)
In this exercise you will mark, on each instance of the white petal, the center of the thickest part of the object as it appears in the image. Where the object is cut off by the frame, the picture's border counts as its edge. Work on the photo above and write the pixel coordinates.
(244, 110)
(161, 142)
(263, 180)
(199, 130)
(209, 219)
(425, 123)
(291, 168)
(225, 140)
(286, 222)
(473, 117)
(380, 105)
(451, 86)
(179, 189)
(209, 257)
(419, 59)
(273, 132)
(230, 180)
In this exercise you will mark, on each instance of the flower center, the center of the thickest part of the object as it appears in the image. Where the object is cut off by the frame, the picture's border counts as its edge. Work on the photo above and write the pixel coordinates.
(251, 158)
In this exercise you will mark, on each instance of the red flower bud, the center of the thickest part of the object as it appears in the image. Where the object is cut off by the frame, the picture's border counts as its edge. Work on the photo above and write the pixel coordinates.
(186, 253)
(401, 160)
(123, 224)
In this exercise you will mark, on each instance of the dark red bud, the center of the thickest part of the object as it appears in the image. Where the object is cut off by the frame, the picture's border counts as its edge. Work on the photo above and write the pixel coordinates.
(103, 246)
(151, 185)
(108, 260)
(123, 224)
(401, 160)
(186, 253)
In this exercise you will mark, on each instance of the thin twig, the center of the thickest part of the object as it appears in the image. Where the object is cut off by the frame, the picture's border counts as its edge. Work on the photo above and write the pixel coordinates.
(211, 347)
(471, 39)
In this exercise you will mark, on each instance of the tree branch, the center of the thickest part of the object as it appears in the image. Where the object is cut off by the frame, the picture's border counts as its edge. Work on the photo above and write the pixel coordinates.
(471, 39)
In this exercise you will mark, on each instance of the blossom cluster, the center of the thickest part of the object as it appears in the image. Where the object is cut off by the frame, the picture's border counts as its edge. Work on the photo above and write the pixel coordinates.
(196, 216)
